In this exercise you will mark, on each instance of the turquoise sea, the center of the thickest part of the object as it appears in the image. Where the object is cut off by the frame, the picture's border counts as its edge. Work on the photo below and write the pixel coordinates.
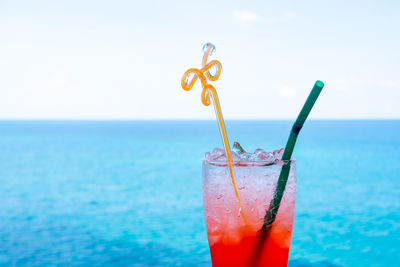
(128, 193)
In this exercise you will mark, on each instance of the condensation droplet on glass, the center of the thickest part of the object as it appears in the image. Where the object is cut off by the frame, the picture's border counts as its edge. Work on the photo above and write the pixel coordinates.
(219, 196)
(206, 46)
(228, 211)
(252, 209)
(189, 78)
(241, 187)
(240, 210)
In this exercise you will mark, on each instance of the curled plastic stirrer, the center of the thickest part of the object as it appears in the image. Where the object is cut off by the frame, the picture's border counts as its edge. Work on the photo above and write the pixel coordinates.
(189, 79)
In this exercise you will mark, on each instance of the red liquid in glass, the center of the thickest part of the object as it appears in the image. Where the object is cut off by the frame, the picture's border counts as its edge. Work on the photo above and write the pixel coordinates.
(234, 235)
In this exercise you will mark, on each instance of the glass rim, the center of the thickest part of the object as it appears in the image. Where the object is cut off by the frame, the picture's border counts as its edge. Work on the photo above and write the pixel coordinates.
(248, 163)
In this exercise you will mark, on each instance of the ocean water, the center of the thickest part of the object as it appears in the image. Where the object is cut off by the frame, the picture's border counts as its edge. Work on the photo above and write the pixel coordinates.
(128, 193)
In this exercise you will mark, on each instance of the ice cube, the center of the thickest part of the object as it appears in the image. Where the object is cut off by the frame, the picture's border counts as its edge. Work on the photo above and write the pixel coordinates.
(245, 156)
(217, 153)
(238, 154)
(278, 153)
(234, 156)
(238, 148)
(263, 155)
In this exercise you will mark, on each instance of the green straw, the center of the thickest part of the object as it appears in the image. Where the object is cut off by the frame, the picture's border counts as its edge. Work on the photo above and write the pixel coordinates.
(271, 213)
(270, 216)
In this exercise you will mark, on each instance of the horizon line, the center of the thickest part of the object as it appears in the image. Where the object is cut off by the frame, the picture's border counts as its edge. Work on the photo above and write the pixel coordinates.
(197, 119)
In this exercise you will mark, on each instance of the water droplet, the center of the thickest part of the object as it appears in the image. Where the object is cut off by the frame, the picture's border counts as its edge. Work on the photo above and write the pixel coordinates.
(241, 187)
(227, 211)
(240, 210)
(206, 46)
(219, 196)
(189, 78)
(252, 209)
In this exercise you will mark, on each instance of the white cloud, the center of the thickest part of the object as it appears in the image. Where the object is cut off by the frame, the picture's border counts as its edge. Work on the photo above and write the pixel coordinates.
(245, 16)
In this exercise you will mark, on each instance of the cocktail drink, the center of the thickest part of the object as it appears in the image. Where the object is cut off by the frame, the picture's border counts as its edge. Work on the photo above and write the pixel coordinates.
(249, 198)
(235, 236)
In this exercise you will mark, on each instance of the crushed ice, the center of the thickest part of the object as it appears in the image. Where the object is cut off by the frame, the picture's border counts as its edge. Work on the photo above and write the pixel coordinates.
(238, 154)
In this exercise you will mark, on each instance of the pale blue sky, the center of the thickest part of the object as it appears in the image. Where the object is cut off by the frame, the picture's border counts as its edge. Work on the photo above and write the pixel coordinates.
(125, 59)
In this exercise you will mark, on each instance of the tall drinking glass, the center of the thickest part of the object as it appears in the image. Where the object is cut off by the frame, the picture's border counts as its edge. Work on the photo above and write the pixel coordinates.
(234, 235)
